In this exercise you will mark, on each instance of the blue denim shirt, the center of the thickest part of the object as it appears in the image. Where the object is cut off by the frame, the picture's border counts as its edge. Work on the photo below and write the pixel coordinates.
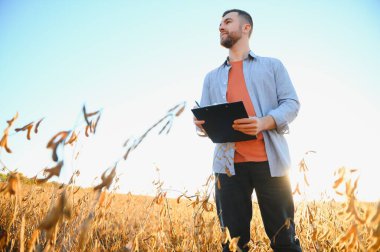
(272, 93)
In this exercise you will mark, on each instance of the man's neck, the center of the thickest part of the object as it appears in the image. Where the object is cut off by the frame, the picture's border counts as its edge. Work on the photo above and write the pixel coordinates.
(238, 53)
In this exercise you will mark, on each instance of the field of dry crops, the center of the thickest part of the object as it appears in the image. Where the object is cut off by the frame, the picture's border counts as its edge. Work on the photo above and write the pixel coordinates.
(49, 218)
(37, 215)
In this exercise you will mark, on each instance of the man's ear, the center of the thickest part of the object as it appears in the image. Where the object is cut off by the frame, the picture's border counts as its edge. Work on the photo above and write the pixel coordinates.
(247, 28)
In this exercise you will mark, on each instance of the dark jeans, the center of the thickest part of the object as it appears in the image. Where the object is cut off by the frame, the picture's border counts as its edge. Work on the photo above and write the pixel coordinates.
(275, 199)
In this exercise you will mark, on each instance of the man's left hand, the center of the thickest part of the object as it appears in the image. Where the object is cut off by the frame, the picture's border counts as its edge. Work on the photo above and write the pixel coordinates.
(250, 126)
(254, 125)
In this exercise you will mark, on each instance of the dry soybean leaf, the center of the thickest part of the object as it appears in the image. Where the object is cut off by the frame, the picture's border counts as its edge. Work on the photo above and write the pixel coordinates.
(234, 244)
(339, 193)
(338, 182)
(54, 154)
(218, 183)
(208, 207)
(92, 126)
(225, 235)
(303, 166)
(10, 122)
(96, 123)
(297, 190)
(179, 198)
(13, 183)
(159, 198)
(349, 233)
(4, 139)
(88, 127)
(87, 115)
(54, 171)
(4, 143)
(55, 141)
(38, 125)
(57, 138)
(228, 172)
(179, 112)
(286, 225)
(341, 175)
(92, 113)
(197, 200)
(73, 138)
(106, 180)
(27, 127)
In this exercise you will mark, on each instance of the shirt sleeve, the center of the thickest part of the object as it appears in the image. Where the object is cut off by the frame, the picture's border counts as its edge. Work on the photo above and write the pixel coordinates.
(288, 103)
(205, 98)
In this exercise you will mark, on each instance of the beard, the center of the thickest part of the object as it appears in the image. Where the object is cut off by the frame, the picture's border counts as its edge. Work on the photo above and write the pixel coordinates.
(230, 39)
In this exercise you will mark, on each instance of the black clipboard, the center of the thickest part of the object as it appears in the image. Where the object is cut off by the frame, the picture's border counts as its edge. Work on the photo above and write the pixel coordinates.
(219, 119)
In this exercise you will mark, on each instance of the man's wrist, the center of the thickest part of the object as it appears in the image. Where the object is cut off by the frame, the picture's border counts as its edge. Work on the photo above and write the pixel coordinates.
(268, 123)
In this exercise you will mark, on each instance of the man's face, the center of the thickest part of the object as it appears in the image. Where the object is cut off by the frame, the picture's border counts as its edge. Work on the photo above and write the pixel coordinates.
(230, 29)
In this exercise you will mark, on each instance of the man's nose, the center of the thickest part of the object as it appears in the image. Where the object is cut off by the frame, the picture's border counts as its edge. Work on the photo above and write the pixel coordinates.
(221, 28)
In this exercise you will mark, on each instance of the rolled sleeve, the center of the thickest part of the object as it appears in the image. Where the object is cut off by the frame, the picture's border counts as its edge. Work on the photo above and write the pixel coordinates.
(288, 103)
(282, 126)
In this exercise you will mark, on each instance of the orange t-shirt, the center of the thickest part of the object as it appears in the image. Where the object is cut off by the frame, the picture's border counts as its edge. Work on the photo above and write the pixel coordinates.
(251, 150)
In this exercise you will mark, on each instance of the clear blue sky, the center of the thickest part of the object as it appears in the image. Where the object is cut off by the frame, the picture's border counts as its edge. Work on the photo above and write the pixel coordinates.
(137, 59)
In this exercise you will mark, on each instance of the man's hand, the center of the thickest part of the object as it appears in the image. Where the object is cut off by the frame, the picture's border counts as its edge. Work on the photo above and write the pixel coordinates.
(200, 130)
(254, 125)
(199, 123)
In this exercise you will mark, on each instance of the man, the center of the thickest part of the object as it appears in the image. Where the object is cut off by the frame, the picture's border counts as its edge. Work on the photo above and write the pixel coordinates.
(269, 97)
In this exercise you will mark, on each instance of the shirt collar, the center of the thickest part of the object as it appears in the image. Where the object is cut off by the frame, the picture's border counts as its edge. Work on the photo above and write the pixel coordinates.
(250, 55)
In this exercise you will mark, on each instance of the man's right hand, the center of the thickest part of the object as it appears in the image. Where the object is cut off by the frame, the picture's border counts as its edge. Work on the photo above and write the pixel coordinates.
(199, 123)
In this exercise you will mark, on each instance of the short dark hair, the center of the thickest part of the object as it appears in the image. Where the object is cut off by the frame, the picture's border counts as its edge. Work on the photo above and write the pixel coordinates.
(245, 15)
